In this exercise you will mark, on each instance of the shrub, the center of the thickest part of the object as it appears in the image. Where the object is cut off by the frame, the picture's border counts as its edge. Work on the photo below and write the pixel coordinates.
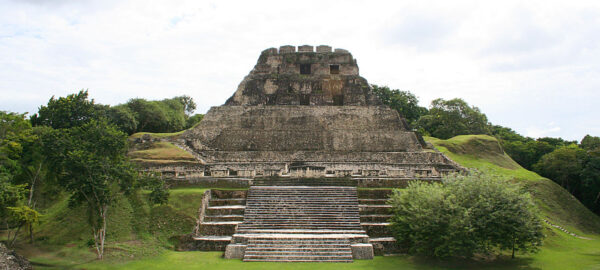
(466, 215)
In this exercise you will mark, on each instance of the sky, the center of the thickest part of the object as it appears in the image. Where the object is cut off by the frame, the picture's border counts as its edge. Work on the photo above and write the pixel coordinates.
(533, 66)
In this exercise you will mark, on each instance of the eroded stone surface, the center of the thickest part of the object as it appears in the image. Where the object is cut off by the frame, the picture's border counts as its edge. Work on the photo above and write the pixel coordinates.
(11, 260)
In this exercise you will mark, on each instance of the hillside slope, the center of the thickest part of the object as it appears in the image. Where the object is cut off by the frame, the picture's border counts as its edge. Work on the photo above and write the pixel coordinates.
(484, 153)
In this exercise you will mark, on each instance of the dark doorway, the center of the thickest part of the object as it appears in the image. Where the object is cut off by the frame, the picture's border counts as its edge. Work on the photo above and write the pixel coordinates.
(334, 69)
(305, 69)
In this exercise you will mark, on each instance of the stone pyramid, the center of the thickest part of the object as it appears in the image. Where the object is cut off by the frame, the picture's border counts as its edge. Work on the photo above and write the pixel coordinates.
(309, 114)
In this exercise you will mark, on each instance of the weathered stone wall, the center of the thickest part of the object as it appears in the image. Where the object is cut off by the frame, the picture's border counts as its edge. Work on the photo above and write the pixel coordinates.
(297, 128)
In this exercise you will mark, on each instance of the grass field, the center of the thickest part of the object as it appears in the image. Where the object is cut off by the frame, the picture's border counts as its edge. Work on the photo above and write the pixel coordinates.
(140, 234)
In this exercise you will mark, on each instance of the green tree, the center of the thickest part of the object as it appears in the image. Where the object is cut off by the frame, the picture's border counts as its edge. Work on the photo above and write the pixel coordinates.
(563, 166)
(590, 142)
(123, 117)
(405, 102)
(189, 106)
(10, 196)
(23, 216)
(590, 180)
(65, 112)
(194, 119)
(467, 215)
(94, 169)
(449, 118)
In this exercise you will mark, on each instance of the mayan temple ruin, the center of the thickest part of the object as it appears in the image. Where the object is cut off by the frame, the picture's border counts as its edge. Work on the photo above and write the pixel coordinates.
(300, 134)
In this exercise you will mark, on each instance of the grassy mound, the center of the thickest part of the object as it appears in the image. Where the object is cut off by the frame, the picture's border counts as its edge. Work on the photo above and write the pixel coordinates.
(135, 229)
(160, 153)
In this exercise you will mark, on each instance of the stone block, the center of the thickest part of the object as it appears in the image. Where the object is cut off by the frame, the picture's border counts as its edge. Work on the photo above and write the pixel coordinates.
(362, 251)
(323, 49)
(305, 48)
(341, 50)
(287, 49)
(234, 251)
(271, 51)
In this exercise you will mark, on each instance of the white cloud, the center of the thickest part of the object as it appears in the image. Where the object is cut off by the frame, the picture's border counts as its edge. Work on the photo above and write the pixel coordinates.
(522, 63)
(547, 131)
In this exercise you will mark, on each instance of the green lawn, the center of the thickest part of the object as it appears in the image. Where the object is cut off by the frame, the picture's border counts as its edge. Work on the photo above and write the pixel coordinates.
(560, 252)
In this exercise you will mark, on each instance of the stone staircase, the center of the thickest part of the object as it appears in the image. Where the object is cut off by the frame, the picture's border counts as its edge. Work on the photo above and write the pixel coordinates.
(300, 223)
(375, 217)
(221, 212)
(296, 249)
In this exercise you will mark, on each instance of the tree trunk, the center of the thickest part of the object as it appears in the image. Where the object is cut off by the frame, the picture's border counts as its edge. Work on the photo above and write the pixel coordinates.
(513, 248)
(33, 180)
(103, 232)
(100, 233)
(31, 233)
(12, 242)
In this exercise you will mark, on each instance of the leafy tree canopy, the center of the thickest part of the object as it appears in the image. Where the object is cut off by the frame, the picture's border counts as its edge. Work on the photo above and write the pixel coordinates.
(590, 142)
(449, 118)
(70, 111)
(405, 102)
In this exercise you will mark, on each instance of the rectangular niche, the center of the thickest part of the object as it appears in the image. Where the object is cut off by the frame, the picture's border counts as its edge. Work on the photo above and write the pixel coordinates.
(334, 69)
(305, 69)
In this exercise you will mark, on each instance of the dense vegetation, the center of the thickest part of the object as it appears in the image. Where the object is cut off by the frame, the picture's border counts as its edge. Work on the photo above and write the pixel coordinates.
(576, 167)
(137, 115)
(76, 147)
(466, 215)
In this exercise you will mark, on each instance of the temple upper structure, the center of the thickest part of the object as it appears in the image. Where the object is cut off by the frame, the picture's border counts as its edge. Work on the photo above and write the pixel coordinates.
(304, 77)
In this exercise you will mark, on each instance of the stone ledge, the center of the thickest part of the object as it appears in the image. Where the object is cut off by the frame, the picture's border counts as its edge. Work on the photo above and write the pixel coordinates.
(362, 251)
(234, 251)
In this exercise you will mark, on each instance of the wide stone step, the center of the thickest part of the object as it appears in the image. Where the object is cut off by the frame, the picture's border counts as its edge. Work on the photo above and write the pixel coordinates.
(225, 210)
(374, 193)
(210, 243)
(228, 194)
(295, 244)
(288, 252)
(298, 259)
(366, 209)
(385, 245)
(283, 219)
(372, 201)
(312, 224)
(300, 227)
(222, 202)
(375, 218)
(299, 231)
(377, 229)
(224, 218)
(302, 202)
(218, 228)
